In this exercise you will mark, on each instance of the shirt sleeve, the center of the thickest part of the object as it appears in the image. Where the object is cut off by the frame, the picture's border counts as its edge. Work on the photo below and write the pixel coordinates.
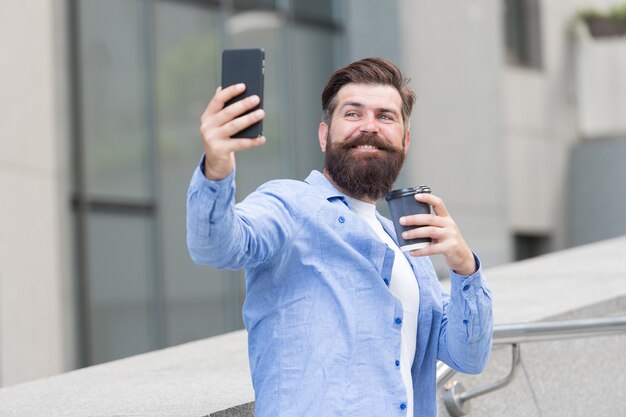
(226, 235)
(467, 327)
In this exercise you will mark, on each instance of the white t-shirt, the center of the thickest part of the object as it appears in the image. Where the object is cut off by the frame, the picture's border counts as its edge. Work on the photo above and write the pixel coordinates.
(404, 286)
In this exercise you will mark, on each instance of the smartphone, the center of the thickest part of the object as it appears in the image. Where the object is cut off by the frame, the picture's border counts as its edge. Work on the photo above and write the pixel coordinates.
(245, 66)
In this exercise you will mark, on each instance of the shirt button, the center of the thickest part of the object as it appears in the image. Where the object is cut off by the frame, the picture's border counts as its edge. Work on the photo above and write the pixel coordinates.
(397, 362)
(465, 322)
(341, 219)
(398, 320)
(403, 406)
(464, 288)
(386, 281)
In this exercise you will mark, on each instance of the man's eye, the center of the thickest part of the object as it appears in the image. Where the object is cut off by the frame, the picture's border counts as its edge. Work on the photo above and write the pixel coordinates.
(352, 114)
(385, 117)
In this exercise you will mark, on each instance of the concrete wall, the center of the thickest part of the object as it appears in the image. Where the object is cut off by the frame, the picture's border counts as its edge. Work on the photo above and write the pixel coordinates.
(212, 376)
(195, 379)
(579, 91)
(601, 84)
(597, 190)
(540, 128)
(363, 39)
(568, 378)
(453, 53)
(565, 378)
(34, 306)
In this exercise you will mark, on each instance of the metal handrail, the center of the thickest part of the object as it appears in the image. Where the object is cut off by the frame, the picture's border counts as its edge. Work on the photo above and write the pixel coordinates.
(455, 396)
(556, 330)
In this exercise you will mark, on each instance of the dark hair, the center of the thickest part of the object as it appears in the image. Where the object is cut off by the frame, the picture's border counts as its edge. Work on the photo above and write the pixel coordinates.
(368, 71)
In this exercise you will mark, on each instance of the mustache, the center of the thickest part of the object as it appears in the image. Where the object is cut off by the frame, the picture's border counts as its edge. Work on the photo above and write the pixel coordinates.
(361, 176)
(369, 140)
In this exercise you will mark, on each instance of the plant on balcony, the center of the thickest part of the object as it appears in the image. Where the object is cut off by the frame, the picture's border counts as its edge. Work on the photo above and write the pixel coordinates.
(605, 24)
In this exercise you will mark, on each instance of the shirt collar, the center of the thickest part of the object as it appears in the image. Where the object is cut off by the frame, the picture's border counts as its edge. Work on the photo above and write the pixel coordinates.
(361, 207)
(328, 190)
(324, 186)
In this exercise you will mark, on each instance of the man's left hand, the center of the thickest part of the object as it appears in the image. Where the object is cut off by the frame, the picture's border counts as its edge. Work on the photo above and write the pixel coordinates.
(445, 234)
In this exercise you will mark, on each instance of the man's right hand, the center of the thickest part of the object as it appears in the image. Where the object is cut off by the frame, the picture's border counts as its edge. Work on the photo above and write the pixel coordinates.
(219, 123)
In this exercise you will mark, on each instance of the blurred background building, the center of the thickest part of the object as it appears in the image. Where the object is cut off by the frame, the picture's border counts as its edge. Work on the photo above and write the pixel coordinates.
(519, 125)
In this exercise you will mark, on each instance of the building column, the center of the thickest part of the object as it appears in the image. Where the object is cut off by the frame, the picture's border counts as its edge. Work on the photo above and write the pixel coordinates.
(36, 339)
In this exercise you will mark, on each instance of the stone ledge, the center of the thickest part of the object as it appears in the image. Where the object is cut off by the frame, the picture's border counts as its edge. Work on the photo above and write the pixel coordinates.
(211, 377)
(194, 379)
(559, 282)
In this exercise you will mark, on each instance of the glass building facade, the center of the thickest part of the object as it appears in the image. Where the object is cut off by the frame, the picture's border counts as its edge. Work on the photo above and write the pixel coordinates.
(143, 72)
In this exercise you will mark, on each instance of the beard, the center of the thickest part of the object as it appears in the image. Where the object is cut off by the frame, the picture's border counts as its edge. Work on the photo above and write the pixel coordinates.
(363, 175)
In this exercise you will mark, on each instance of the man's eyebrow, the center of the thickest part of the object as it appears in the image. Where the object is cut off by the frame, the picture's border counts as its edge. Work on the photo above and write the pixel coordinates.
(360, 105)
(388, 110)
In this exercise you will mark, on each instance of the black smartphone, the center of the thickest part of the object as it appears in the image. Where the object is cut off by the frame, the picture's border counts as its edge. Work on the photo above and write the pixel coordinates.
(245, 66)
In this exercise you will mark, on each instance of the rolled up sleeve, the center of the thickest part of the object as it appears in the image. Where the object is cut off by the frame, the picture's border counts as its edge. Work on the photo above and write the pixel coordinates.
(208, 206)
(466, 334)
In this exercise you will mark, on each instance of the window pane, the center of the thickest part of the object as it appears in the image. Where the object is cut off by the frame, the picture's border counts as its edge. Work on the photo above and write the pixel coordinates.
(200, 301)
(514, 19)
(114, 88)
(321, 10)
(257, 29)
(523, 32)
(312, 60)
(534, 34)
(529, 245)
(252, 4)
(120, 276)
(117, 90)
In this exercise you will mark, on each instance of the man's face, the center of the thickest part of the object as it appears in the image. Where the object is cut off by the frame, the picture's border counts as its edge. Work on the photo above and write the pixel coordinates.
(365, 143)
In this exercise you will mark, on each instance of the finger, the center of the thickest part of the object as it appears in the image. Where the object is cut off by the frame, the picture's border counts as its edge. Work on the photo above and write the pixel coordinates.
(423, 220)
(237, 125)
(437, 203)
(236, 109)
(433, 249)
(208, 108)
(436, 233)
(221, 96)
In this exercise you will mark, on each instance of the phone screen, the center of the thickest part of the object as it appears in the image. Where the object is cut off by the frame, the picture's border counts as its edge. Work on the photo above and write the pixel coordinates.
(245, 66)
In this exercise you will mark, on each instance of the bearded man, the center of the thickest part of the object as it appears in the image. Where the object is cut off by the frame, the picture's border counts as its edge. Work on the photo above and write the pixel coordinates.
(340, 321)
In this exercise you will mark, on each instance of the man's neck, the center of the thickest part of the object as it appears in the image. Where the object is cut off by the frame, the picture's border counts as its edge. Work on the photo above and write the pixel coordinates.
(364, 198)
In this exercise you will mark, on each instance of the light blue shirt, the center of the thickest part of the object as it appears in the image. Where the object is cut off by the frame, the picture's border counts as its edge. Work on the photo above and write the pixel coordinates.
(323, 327)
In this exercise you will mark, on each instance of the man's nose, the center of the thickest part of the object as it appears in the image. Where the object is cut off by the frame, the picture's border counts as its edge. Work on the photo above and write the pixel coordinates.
(369, 124)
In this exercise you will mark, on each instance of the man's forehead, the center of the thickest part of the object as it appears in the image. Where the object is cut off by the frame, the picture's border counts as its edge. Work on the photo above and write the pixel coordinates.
(368, 94)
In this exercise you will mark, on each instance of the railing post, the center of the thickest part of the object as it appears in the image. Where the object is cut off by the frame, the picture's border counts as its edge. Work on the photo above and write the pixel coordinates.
(456, 398)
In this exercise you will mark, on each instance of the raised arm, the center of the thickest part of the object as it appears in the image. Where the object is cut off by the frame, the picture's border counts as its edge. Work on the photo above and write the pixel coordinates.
(220, 233)
(467, 321)
(219, 123)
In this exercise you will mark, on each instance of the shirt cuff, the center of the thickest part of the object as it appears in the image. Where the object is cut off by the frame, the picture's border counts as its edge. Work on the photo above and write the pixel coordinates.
(202, 183)
(467, 279)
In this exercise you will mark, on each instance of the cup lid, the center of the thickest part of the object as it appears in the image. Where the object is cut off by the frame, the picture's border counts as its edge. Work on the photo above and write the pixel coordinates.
(407, 191)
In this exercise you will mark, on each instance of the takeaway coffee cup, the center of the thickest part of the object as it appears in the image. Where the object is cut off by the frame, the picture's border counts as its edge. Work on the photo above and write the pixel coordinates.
(402, 203)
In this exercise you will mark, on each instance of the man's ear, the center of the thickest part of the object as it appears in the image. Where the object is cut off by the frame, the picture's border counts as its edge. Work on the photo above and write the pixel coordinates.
(322, 135)
(407, 141)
